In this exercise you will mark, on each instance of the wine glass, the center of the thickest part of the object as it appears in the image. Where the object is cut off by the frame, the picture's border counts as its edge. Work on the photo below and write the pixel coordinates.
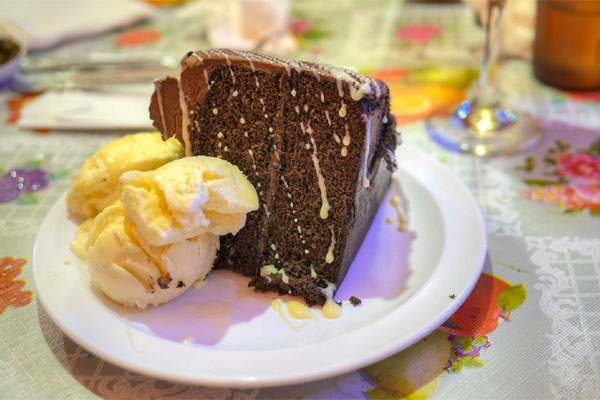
(482, 125)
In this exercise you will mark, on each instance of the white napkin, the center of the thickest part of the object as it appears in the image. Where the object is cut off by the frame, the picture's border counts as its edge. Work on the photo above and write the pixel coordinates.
(88, 110)
(50, 22)
(245, 24)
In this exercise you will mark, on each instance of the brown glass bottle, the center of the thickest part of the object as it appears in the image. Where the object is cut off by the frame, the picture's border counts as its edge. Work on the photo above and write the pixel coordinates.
(567, 45)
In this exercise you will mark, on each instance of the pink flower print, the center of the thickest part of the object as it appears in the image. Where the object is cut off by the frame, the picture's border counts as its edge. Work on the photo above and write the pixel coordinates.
(583, 170)
(418, 34)
(579, 166)
(301, 26)
(587, 189)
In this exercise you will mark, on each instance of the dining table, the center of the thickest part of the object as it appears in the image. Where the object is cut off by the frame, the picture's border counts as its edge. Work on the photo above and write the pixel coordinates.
(528, 327)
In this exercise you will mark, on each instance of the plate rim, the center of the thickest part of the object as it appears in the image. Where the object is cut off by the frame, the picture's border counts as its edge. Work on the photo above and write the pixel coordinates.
(329, 369)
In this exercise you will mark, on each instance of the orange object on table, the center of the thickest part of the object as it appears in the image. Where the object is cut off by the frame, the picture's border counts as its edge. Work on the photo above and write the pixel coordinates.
(411, 103)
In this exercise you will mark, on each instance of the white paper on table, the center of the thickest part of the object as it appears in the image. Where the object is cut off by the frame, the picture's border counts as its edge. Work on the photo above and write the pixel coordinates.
(49, 22)
(87, 110)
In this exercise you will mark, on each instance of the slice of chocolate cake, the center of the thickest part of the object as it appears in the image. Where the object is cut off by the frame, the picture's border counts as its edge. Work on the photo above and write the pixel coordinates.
(316, 141)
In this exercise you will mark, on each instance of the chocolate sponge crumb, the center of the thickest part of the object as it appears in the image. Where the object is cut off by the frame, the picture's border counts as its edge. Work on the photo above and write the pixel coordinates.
(296, 283)
(355, 301)
(162, 283)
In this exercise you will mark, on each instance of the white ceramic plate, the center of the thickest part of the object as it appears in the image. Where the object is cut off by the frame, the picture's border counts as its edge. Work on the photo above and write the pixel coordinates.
(405, 281)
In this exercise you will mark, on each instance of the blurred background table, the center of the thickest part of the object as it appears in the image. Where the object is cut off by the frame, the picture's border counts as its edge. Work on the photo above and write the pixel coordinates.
(536, 335)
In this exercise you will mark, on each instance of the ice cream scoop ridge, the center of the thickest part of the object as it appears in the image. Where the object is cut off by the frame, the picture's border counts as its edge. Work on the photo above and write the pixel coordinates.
(94, 187)
(133, 273)
(186, 198)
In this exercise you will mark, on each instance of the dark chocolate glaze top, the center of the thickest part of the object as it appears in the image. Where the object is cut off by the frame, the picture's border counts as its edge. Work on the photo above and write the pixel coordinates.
(194, 82)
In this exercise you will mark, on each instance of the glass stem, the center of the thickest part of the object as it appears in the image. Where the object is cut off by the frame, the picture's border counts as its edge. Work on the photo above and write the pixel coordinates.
(486, 94)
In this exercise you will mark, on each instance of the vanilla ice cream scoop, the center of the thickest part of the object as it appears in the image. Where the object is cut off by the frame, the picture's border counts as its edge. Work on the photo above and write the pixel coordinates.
(134, 273)
(186, 198)
(95, 186)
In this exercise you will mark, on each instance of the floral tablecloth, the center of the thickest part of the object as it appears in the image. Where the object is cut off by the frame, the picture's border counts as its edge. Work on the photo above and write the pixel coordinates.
(531, 327)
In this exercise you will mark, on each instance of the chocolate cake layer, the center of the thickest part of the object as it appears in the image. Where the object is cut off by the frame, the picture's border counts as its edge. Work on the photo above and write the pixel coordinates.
(316, 141)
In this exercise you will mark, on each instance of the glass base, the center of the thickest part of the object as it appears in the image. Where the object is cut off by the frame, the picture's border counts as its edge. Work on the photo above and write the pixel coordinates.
(484, 132)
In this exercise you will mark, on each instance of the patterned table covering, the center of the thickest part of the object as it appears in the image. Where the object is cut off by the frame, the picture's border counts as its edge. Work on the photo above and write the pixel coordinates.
(538, 335)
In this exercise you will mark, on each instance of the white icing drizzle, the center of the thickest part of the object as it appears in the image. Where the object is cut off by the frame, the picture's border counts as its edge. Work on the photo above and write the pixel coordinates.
(377, 90)
(324, 213)
(158, 87)
(311, 69)
(346, 140)
(284, 276)
(187, 339)
(246, 56)
(329, 257)
(359, 85)
(342, 112)
(328, 291)
(396, 202)
(339, 87)
(227, 60)
(268, 269)
(284, 182)
(206, 79)
(185, 121)
(365, 180)
(252, 157)
(198, 57)
(327, 116)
